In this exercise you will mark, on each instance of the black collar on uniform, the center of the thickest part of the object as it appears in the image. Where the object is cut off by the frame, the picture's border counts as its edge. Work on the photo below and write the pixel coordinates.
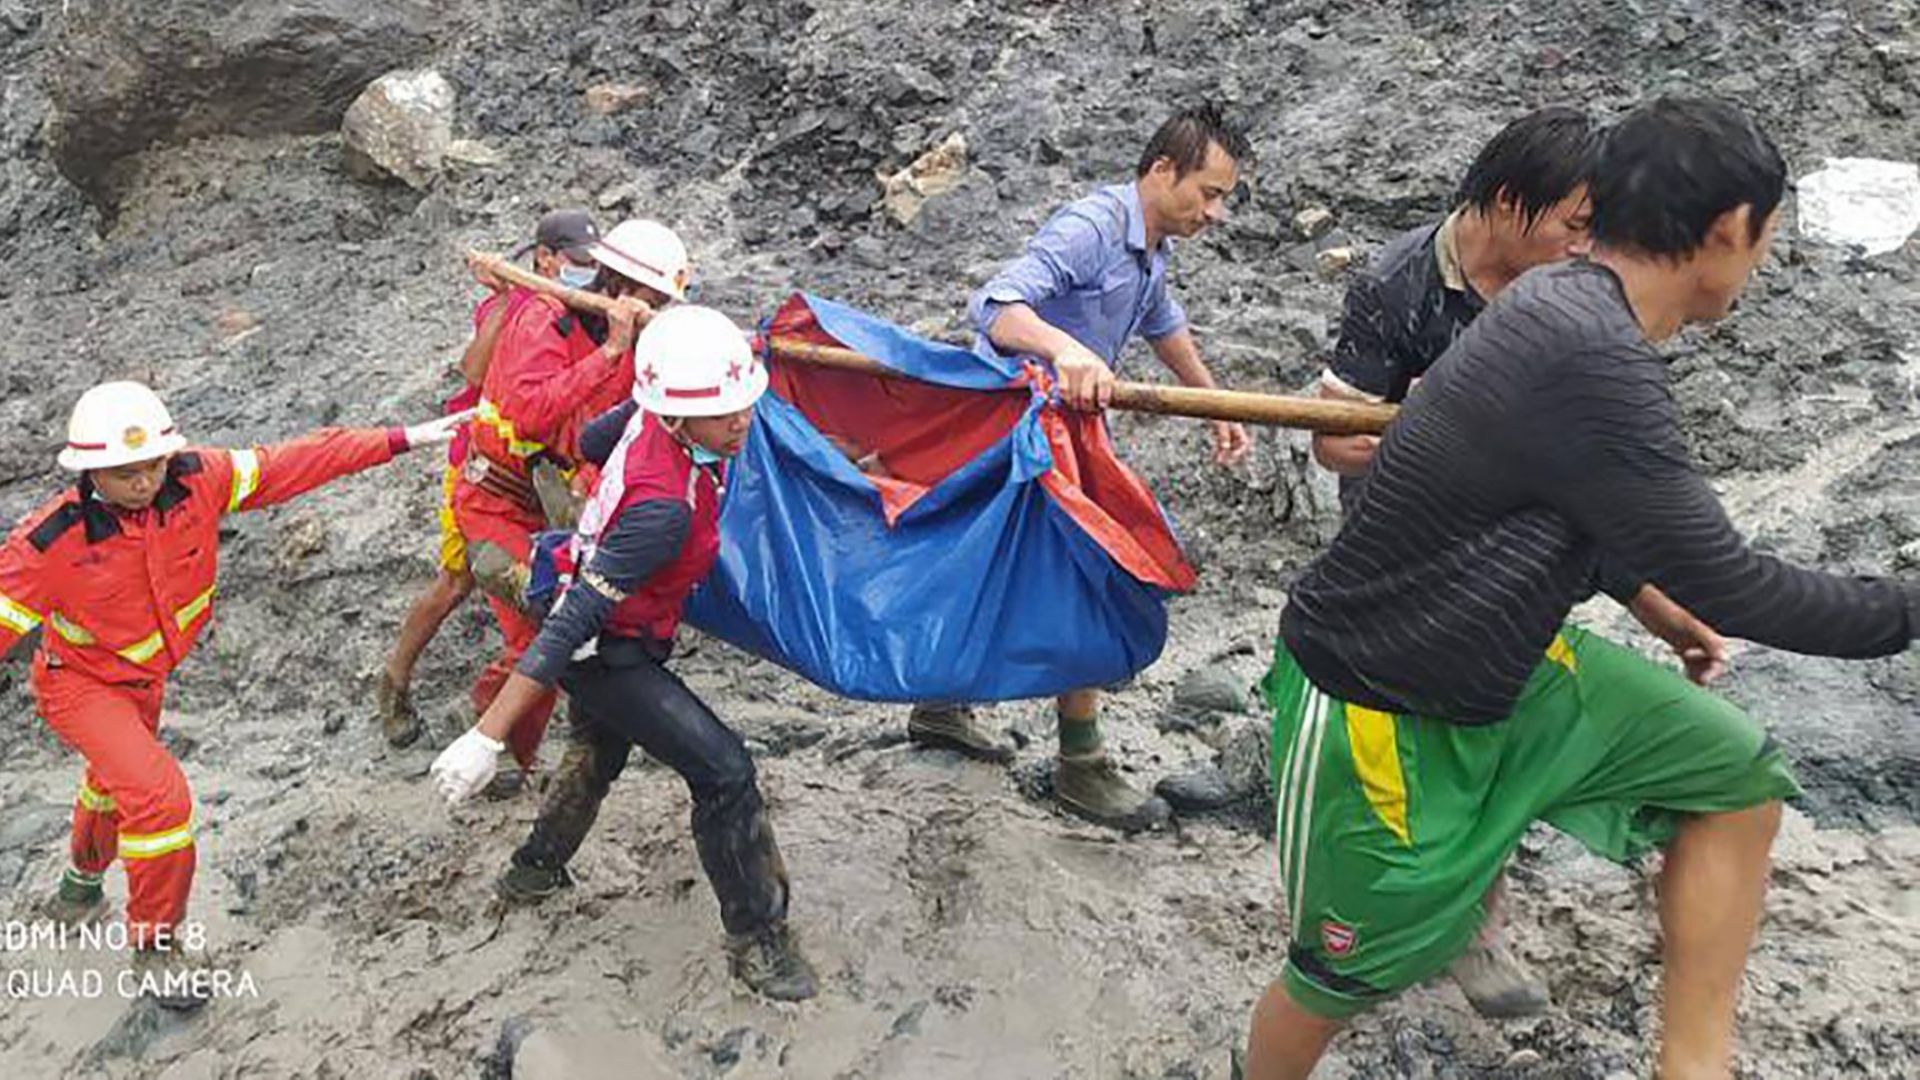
(95, 514)
(174, 491)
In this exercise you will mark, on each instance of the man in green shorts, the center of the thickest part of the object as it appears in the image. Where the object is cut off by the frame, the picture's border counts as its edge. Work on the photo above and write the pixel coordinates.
(1522, 204)
(1426, 716)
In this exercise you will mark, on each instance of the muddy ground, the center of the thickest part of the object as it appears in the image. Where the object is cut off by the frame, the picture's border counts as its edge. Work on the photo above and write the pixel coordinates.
(962, 927)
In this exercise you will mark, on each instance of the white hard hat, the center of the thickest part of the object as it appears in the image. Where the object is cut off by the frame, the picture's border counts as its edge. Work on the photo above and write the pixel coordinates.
(118, 423)
(693, 361)
(649, 253)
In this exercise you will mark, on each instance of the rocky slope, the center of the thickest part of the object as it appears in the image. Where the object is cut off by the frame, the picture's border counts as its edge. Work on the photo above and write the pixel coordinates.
(207, 237)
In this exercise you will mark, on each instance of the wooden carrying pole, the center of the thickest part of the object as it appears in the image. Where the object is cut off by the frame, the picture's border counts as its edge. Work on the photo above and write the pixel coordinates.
(1312, 414)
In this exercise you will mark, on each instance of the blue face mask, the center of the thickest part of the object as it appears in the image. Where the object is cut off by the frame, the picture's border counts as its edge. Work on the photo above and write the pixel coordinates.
(703, 456)
(577, 277)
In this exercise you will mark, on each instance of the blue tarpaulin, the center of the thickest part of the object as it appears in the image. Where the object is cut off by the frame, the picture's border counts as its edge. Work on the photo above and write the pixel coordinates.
(958, 538)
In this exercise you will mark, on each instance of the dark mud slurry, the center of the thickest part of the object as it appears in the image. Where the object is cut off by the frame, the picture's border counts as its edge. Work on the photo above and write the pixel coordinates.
(959, 927)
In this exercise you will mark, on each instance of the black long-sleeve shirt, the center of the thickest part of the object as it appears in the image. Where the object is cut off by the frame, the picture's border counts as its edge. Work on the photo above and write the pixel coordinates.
(642, 539)
(1541, 452)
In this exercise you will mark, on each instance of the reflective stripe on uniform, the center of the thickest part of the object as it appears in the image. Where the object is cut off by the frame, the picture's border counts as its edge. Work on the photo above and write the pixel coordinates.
(18, 617)
(194, 609)
(246, 477)
(98, 802)
(143, 650)
(154, 845)
(73, 634)
(489, 414)
(140, 651)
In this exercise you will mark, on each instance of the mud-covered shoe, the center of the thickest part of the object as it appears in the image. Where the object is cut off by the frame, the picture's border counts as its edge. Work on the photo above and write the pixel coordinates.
(398, 720)
(772, 965)
(953, 727)
(78, 901)
(1090, 787)
(1497, 983)
(524, 885)
(498, 573)
(166, 976)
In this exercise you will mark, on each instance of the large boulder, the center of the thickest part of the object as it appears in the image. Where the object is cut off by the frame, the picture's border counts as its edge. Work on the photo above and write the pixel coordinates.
(400, 127)
(130, 74)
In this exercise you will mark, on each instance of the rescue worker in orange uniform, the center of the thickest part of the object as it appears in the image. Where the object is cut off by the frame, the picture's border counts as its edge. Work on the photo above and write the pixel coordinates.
(560, 250)
(118, 571)
(552, 371)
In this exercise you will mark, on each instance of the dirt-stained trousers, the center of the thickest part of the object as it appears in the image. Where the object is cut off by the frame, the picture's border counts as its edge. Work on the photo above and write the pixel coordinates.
(624, 697)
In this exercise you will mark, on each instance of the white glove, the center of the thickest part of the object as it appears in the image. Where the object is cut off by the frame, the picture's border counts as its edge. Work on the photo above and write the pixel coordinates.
(465, 767)
(440, 430)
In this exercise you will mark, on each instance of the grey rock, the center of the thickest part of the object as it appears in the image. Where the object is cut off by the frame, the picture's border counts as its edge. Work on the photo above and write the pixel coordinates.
(1244, 756)
(606, 99)
(1312, 222)
(727, 1051)
(400, 127)
(1212, 689)
(1197, 790)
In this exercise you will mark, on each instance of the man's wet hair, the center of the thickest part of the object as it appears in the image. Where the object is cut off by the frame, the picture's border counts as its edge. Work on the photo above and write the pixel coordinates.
(1534, 162)
(1669, 169)
(1185, 136)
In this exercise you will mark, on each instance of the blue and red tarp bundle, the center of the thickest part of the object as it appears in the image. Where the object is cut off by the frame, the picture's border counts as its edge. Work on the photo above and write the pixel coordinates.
(953, 537)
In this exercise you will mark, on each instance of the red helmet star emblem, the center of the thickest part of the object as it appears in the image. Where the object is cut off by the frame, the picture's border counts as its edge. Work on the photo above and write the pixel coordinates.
(733, 371)
(648, 375)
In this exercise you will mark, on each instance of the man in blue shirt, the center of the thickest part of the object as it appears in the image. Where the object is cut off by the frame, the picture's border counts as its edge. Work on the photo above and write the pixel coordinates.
(1093, 278)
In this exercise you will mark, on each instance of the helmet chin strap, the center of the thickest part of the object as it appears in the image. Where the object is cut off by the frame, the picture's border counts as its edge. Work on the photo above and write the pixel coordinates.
(677, 427)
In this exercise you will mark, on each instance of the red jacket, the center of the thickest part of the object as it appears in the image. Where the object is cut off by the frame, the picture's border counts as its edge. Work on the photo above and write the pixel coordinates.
(124, 594)
(543, 384)
(650, 464)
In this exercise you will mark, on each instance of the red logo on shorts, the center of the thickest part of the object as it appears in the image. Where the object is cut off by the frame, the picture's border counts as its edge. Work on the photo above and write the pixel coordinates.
(1337, 938)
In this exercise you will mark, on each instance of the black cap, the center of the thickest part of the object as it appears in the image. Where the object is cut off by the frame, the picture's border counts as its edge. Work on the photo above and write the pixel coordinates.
(570, 232)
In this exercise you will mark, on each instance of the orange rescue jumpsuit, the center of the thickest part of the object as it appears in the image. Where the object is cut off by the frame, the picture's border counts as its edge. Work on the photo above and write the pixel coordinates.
(123, 595)
(544, 383)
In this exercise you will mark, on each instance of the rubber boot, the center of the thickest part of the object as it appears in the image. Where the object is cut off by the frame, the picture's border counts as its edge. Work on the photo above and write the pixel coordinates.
(952, 727)
(1497, 983)
(398, 720)
(498, 573)
(79, 901)
(771, 964)
(557, 501)
(163, 975)
(1090, 787)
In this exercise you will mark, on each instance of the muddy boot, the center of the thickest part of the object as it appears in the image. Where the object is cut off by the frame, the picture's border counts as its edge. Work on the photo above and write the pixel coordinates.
(525, 885)
(1090, 787)
(498, 573)
(952, 727)
(165, 975)
(1497, 983)
(398, 721)
(79, 901)
(771, 964)
(557, 500)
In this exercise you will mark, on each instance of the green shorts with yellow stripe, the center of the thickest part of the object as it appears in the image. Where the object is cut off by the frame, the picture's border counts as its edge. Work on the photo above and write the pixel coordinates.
(1391, 828)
